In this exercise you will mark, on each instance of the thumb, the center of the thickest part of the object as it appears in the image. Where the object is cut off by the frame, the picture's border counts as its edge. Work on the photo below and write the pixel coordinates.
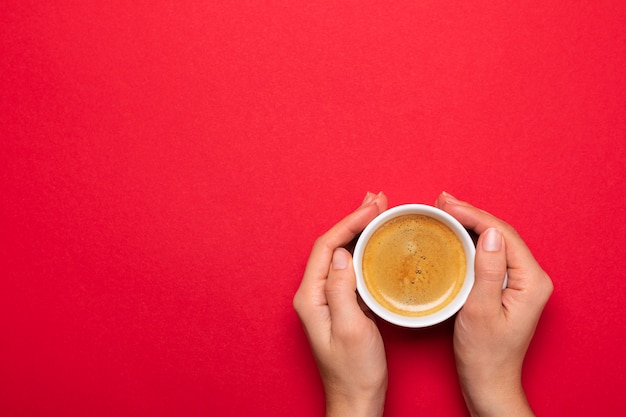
(489, 271)
(341, 288)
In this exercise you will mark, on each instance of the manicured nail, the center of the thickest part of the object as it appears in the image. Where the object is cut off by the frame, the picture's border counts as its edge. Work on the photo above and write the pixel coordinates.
(449, 197)
(340, 259)
(492, 240)
(369, 197)
(377, 200)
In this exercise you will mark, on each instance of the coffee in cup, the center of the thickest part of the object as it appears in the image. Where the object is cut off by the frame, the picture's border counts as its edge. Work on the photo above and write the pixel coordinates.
(414, 265)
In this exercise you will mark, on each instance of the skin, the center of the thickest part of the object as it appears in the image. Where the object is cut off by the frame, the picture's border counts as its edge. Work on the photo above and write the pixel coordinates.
(346, 343)
(494, 328)
(492, 331)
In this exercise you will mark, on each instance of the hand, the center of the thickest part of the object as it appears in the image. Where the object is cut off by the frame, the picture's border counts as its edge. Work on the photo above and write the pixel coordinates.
(345, 340)
(494, 328)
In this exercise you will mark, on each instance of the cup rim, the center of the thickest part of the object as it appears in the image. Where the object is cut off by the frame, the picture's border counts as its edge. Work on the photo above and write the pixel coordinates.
(441, 315)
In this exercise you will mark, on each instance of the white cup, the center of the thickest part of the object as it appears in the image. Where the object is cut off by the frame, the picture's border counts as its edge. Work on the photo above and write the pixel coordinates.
(453, 306)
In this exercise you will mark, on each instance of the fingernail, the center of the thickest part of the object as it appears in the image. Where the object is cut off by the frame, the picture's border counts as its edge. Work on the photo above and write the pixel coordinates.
(449, 197)
(340, 259)
(369, 197)
(378, 196)
(492, 240)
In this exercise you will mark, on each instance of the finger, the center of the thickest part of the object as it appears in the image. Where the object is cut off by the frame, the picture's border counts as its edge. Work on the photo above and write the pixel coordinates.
(490, 269)
(469, 216)
(310, 300)
(341, 290)
(518, 254)
(369, 197)
(365, 308)
(340, 235)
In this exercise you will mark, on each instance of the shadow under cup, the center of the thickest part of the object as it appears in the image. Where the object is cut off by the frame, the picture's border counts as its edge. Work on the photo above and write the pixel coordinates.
(411, 252)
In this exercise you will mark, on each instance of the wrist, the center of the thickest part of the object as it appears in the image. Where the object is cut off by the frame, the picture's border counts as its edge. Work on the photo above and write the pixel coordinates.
(340, 405)
(503, 399)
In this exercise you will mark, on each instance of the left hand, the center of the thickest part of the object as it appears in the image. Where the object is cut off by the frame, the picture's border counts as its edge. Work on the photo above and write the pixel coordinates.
(346, 343)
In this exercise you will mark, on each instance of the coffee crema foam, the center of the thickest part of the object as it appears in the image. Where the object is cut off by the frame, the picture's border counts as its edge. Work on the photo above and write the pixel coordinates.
(414, 265)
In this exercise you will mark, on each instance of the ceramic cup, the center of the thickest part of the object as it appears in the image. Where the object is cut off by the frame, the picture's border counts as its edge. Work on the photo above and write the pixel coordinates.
(453, 305)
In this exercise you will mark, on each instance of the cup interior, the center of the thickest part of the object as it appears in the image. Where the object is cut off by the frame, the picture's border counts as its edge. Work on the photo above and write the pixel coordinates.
(451, 308)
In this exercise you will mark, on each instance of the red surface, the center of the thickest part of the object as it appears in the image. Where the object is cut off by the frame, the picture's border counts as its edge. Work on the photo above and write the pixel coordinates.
(166, 168)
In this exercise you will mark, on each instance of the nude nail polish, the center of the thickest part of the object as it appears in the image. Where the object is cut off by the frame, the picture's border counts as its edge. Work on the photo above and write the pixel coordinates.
(492, 240)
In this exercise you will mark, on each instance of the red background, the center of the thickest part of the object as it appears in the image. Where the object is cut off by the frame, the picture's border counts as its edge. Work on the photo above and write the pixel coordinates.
(166, 168)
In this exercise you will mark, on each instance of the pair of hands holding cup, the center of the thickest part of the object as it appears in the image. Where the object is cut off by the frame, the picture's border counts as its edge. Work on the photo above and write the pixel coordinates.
(491, 334)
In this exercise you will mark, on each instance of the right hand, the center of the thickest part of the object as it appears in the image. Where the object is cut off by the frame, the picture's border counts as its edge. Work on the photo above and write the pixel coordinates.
(494, 328)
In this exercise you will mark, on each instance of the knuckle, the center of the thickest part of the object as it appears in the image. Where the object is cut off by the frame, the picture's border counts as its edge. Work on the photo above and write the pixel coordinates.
(297, 302)
(548, 285)
(334, 286)
(507, 229)
(492, 271)
(541, 288)
(320, 242)
(510, 229)
(301, 304)
(324, 244)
